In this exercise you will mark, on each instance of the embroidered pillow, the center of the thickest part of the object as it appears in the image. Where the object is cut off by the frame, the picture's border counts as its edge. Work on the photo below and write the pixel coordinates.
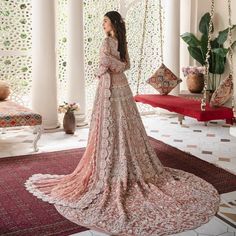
(163, 80)
(223, 93)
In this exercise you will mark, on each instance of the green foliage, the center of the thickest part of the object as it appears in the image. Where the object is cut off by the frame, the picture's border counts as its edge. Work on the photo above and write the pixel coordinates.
(198, 47)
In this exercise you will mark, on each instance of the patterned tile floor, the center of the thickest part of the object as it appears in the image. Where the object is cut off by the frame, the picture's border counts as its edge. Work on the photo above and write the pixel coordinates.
(212, 143)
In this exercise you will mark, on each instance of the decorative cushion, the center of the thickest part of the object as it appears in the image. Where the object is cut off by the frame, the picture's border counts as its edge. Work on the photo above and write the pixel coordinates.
(223, 93)
(4, 90)
(163, 80)
(13, 114)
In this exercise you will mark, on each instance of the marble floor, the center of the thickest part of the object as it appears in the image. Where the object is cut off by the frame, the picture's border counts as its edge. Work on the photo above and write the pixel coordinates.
(212, 143)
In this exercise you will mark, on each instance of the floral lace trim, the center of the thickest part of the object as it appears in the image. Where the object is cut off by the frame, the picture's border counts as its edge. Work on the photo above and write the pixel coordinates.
(130, 192)
(96, 186)
(119, 86)
(171, 215)
(121, 99)
(104, 152)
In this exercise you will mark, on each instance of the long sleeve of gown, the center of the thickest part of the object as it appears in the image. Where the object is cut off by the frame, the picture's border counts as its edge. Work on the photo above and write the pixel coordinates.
(127, 66)
(108, 62)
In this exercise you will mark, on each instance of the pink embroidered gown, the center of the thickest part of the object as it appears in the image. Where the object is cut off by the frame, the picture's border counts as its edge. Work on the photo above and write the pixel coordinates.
(120, 187)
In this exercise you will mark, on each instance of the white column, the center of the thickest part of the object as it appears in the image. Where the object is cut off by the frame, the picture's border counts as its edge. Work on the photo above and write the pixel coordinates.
(44, 89)
(185, 26)
(171, 45)
(172, 38)
(76, 79)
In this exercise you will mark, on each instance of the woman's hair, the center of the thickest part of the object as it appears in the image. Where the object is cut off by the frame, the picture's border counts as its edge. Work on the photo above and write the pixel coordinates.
(119, 28)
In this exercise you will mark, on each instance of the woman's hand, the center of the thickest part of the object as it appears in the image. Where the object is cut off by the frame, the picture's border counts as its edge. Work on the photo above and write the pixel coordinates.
(117, 67)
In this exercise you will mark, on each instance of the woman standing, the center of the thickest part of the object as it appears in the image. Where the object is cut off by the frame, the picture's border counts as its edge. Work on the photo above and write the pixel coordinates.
(120, 186)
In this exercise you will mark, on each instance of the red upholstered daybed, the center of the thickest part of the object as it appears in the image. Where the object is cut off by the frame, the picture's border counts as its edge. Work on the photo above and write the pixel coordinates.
(187, 107)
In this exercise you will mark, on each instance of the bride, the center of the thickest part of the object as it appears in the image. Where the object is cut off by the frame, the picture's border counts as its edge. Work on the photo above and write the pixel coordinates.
(119, 186)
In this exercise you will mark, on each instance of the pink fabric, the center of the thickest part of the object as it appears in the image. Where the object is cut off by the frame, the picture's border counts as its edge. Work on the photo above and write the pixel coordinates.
(120, 186)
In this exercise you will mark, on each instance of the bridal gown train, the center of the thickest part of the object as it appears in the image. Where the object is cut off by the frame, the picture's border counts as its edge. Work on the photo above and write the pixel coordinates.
(120, 186)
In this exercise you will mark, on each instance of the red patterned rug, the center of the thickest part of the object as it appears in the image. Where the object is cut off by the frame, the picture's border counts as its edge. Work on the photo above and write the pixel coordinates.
(22, 214)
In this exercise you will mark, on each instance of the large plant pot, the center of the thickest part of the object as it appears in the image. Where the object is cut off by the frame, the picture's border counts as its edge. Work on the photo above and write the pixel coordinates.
(195, 83)
(69, 123)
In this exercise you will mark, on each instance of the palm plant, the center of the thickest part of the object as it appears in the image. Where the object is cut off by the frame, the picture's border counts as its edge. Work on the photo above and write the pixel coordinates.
(198, 48)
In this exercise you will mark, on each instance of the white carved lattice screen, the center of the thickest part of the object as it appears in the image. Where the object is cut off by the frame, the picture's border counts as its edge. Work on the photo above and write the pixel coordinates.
(16, 45)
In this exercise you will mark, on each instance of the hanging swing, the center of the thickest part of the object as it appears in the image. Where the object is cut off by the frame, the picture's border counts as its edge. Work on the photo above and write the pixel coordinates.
(200, 110)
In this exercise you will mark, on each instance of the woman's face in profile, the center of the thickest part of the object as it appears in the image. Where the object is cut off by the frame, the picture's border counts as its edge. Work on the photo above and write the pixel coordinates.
(107, 25)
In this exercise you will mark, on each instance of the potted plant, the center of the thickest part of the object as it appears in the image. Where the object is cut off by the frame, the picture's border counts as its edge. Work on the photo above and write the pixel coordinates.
(69, 122)
(195, 78)
(197, 48)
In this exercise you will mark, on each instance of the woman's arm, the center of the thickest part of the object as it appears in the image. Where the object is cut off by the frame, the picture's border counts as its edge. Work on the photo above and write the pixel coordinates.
(107, 62)
(127, 66)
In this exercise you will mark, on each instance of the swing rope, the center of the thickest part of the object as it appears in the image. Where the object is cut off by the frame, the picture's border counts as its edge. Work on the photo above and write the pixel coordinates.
(142, 46)
(203, 100)
(231, 53)
(143, 37)
(207, 63)
(161, 30)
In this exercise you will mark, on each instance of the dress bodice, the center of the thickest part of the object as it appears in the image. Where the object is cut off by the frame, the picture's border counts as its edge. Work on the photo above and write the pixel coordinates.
(117, 78)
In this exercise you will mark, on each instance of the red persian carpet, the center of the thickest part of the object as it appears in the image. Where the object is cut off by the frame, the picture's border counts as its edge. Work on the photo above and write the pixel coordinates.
(22, 214)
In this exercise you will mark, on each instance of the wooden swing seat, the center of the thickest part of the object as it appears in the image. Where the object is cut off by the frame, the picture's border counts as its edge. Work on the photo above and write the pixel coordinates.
(187, 107)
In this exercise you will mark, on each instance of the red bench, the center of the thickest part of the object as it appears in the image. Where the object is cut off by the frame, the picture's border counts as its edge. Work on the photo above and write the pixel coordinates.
(187, 107)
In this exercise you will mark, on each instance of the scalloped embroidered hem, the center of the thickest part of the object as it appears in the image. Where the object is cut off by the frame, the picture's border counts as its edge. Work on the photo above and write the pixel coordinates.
(101, 227)
(159, 207)
(120, 186)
